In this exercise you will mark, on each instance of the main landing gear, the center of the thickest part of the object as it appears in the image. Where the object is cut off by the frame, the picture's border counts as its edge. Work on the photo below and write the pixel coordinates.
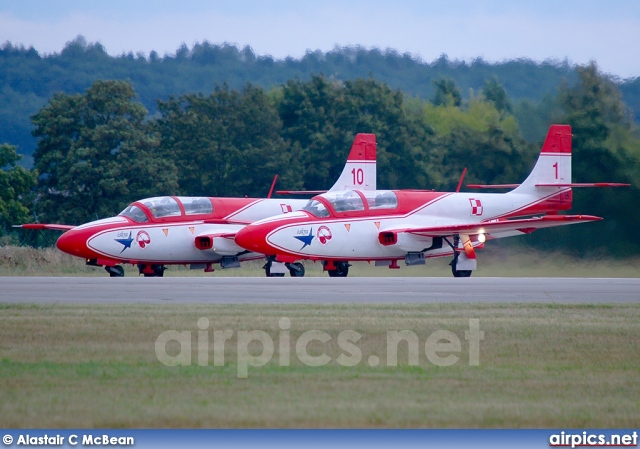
(454, 263)
(151, 270)
(279, 269)
(337, 269)
(458, 273)
(116, 271)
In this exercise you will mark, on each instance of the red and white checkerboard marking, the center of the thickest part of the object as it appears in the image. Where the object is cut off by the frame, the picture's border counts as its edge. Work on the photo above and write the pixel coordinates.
(476, 207)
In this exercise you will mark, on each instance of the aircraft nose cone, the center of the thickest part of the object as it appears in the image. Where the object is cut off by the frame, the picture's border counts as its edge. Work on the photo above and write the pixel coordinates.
(251, 238)
(71, 243)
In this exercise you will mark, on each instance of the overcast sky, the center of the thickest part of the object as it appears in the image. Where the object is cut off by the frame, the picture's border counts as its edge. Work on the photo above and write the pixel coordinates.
(578, 30)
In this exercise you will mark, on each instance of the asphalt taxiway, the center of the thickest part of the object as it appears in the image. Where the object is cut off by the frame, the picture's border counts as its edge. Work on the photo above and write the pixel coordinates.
(316, 290)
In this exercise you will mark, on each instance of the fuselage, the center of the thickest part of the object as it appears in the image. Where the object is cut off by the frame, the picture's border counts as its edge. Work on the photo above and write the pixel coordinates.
(172, 230)
(349, 225)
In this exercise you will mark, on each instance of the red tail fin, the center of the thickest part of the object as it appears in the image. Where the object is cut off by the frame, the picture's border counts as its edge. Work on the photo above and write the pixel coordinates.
(558, 140)
(360, 169)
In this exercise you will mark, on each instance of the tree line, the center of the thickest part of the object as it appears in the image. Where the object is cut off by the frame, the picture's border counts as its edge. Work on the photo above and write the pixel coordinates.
(99, 150)
(29, 79)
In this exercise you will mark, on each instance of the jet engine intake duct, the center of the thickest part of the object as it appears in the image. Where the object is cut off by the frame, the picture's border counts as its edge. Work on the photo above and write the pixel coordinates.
(222, 244)
(204, 242)
(387, 238)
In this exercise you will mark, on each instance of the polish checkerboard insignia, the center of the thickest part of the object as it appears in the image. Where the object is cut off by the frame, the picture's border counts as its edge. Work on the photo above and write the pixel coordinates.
(476, 207)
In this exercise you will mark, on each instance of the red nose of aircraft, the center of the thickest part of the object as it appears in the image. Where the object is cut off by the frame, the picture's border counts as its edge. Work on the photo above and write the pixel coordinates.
(75, 243)
(254, 238)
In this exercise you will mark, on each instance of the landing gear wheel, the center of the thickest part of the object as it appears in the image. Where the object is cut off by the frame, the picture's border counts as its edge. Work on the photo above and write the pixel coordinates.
(454, 263)
(267, 270)
(459, 273)
(296, 270)
(341, 271)
(157, 271)
(115, 272)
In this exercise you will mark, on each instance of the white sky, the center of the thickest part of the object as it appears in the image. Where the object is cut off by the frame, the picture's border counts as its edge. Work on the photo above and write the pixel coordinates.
(578, 30)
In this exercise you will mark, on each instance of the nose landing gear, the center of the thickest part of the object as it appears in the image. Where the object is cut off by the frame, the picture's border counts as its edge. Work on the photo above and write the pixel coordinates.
(115, 271)
(278, 269)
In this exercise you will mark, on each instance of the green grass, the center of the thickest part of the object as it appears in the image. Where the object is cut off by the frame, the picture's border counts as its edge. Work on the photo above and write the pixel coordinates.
(540, 366)
(493, 261)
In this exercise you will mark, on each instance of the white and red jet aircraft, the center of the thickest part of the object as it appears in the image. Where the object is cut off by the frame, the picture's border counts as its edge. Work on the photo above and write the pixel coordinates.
(199, 231)
(386, 226)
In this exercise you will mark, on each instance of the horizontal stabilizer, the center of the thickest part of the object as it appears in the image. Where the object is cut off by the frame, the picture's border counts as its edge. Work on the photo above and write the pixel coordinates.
(54, 227)
(574, 184)
(300, 192)
(586, 184)
(492, 186)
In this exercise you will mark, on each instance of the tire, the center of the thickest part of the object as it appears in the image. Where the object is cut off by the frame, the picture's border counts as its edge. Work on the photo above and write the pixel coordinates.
(296, 270)
(459, 273)
(341, 271)
(115, 272)
(158, 271)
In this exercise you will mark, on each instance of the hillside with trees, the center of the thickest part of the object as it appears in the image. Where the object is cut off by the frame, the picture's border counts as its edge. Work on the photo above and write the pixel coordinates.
(100, 147)
(29, 79)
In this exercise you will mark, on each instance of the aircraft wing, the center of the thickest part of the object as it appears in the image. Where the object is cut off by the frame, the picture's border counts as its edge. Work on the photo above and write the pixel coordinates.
(526, 225)
(225, 221)
(55, 227)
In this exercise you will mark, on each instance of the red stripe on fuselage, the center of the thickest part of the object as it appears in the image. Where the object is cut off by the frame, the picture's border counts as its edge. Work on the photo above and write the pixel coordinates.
(551, 203)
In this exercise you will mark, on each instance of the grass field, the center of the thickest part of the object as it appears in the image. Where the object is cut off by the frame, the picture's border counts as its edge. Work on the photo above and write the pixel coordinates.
(568, 366)
(494, 261)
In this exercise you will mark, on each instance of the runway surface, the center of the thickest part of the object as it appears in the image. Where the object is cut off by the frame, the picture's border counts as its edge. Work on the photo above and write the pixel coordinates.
(315, 290)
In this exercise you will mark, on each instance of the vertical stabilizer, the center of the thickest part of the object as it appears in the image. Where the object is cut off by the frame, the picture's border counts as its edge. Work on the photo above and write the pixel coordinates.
(554, 162)
(360, 170)
(550, 178)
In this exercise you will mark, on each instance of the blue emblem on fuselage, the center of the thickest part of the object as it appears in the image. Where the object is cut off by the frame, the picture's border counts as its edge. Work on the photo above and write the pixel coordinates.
(305, 237)
(126, 243)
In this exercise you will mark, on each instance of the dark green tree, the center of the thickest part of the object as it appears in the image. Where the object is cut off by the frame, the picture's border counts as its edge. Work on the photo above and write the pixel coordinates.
(321, 118)
(494, 92)
(96, 154)
(447, 93)
(309, 113)
(15, 185)
(227, 143)
(491, 157)
(480, 137)
(605, 148)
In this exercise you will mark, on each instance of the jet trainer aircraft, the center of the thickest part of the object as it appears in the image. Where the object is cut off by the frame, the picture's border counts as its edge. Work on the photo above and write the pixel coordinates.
(386, 226)
(198, 231)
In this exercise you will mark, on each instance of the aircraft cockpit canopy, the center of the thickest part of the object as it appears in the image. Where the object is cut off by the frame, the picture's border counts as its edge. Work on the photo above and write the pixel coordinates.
(167, 207)
(351, 201)
(135, 213)
(316, 208)
(381, 199)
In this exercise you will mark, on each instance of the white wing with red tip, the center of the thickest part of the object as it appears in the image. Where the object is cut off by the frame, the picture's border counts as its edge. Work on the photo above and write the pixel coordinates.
(54, 227)
(525, 225)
